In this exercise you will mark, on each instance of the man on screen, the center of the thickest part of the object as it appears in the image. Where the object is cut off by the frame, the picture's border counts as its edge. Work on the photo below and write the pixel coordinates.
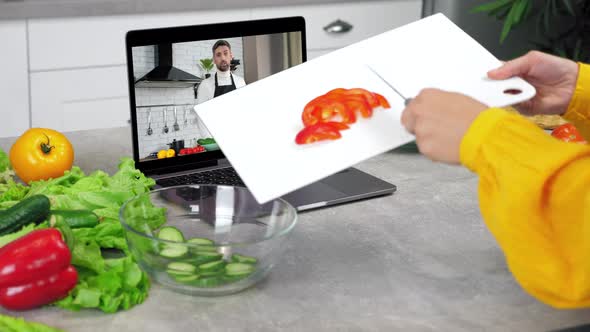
(223, 81)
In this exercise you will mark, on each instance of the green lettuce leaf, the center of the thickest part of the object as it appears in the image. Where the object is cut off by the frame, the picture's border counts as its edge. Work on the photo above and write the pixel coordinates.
(56, 186)
(87, 254)
(4, 161)
(14, 324)
(128, 178)
(12, 191)
(106, 235)
(9, 189)
(120, 287)
(5, 239)
(107, 284)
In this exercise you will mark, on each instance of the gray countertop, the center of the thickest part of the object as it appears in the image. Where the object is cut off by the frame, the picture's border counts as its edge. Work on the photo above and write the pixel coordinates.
(19, 9)
(418, 260)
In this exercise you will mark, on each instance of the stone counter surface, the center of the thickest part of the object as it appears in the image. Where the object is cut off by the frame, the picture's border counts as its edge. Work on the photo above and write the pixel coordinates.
(418, 260)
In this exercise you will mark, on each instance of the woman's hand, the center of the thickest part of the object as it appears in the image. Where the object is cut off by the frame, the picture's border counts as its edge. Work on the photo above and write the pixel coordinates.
(439, 120)
(553, 77)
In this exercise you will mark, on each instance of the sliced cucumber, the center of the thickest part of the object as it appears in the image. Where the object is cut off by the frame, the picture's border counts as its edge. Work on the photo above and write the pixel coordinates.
(212, 266)
(174, 273)
(237, 258)
(202, 245)
(170, 233)
(187, 279)
(173, 250)
(216, 273)
(200, 249)
(204, 257)
(183, 268)
(201, 241)
(200, 264)
(236, 269)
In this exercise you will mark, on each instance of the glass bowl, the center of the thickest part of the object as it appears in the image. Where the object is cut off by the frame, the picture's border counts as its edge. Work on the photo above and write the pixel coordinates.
(205, 239)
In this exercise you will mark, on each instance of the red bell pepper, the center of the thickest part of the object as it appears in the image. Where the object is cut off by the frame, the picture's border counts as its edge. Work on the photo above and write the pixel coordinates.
(324, 116)
(382, 101)
(319, 132)
(42, 291)
(35, 270)
(568, 133)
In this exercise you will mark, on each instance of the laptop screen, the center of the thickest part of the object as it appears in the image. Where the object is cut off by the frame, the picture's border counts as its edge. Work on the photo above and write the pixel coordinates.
(170, 70)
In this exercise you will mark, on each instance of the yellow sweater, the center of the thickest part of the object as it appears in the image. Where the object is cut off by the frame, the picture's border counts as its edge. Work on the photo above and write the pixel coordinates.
(534, 194)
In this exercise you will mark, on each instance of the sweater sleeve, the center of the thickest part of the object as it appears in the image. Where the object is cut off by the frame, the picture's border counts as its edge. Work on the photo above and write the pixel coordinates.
(578, 111)
(534, 195)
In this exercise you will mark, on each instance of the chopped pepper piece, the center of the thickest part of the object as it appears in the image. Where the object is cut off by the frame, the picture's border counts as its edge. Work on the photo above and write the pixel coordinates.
(337, 106)
(319, 132)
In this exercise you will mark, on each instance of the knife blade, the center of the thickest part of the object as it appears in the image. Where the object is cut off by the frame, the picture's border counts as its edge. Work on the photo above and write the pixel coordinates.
(406, 100)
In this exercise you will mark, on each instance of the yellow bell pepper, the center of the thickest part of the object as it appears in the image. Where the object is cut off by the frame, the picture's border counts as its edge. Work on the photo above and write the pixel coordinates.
(170, 153)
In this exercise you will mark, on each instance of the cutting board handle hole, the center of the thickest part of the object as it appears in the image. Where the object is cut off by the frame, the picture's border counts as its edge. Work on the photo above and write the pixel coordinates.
(512, 91)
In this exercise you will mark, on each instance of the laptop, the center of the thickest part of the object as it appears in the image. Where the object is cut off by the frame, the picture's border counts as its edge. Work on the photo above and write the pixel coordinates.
(170, 70)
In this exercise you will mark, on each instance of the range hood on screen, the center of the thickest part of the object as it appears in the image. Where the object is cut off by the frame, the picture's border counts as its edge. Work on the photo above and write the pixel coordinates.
(165, 75)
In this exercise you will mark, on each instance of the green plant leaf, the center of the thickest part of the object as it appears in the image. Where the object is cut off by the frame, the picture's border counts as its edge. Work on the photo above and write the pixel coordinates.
(520, 6)
(487, 7)
(500, 13)
(207, 64)
(509, 22)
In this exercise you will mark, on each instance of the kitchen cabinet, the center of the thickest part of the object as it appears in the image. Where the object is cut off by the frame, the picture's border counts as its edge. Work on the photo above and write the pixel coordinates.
(78, 66)
(365, 19)
(100, 41)
(78, 99)
(312, 54)
(14, 85)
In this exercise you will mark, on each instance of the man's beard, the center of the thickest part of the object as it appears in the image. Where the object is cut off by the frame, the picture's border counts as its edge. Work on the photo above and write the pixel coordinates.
(224, 66)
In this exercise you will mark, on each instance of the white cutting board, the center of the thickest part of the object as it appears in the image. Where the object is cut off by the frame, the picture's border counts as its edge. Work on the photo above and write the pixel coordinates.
(256, 125)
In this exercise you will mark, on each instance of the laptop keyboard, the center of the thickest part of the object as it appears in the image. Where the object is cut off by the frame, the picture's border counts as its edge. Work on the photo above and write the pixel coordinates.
(222, 176)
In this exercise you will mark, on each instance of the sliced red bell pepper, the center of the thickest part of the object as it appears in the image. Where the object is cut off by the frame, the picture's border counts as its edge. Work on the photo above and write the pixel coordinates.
(369, 96)
(382, 101)
(358, 103)
(35, 270)
(319, 132)
(338, 108)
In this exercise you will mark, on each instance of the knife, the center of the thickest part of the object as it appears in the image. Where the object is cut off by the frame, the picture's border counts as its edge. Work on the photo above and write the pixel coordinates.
(406, 100)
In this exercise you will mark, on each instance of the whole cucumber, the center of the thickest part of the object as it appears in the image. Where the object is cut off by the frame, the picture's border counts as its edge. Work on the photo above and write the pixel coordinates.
(76, 218)
(34, 209)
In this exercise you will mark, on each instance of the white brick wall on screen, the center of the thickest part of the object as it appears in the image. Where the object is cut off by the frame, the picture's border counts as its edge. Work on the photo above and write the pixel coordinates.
(158, 140)
(143, 60)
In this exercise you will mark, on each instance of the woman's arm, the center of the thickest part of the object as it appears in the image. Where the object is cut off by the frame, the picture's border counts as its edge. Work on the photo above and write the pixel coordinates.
(534, 194)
